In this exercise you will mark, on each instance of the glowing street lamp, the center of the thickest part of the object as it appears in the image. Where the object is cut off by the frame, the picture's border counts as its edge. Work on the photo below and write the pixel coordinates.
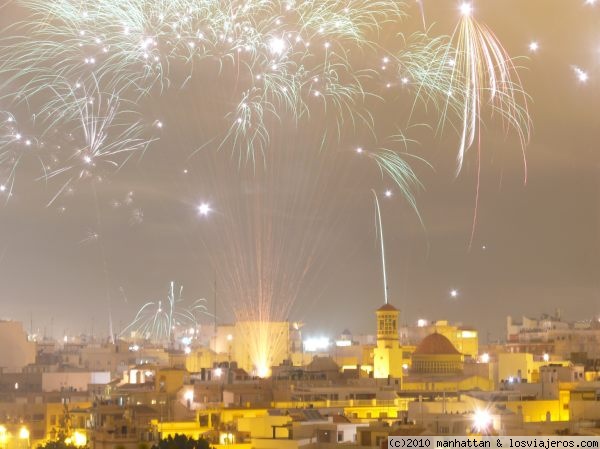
(482, 421)
(24, 435)
(79, 439)
(189, 398)
(3, 436)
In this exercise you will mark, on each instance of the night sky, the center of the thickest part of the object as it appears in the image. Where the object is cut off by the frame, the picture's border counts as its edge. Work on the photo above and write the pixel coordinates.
(309, 213)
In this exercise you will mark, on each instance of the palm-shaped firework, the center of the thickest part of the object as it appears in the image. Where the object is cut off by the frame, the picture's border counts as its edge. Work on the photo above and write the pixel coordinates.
(160, 321)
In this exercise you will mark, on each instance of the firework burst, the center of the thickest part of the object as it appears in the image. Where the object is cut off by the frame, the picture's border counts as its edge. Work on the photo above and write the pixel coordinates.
(485, 76)
(160, 321)
(91, 137)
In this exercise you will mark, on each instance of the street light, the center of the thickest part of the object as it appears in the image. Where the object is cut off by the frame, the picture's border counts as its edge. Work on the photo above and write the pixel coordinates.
(482, 420)
(189, 397)
(3, 436)
(24, 434)
(79, 439)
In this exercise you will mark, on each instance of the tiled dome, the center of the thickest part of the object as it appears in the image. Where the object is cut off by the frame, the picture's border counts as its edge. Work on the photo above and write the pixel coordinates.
(435, 344)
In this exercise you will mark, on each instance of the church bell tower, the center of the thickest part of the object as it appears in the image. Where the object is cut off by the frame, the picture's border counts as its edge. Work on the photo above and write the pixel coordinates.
(387, 356)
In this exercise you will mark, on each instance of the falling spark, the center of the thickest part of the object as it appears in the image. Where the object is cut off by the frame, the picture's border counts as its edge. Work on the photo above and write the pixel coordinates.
(534, 46)
(581, 74)
(204, 209)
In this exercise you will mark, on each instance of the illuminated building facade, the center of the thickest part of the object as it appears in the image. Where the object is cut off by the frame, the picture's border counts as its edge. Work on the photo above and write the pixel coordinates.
(387, 355)
(464, 338)
(256, 346)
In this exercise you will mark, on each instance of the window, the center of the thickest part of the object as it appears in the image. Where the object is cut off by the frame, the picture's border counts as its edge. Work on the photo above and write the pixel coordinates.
(203, 420)
(324, 436)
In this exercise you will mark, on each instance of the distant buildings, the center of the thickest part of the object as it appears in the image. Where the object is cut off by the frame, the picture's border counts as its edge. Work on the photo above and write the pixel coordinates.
(464, 338)
(16, 351)
(577, 341)
(431, 378)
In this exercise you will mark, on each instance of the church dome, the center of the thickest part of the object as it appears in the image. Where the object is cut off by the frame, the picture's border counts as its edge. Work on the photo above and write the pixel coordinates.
(436, 356)
(435, 344)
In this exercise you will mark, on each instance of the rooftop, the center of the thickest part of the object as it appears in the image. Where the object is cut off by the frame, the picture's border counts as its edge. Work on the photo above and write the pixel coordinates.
(387, 308)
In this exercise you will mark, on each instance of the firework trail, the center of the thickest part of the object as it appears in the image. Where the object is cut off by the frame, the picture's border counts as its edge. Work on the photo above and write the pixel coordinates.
(102, 140)
(159, 321)
(487, 77)
(422, 11)
(91, 138)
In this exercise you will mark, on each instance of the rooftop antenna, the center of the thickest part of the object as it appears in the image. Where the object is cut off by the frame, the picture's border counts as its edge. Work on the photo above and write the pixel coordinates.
(379, 227)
